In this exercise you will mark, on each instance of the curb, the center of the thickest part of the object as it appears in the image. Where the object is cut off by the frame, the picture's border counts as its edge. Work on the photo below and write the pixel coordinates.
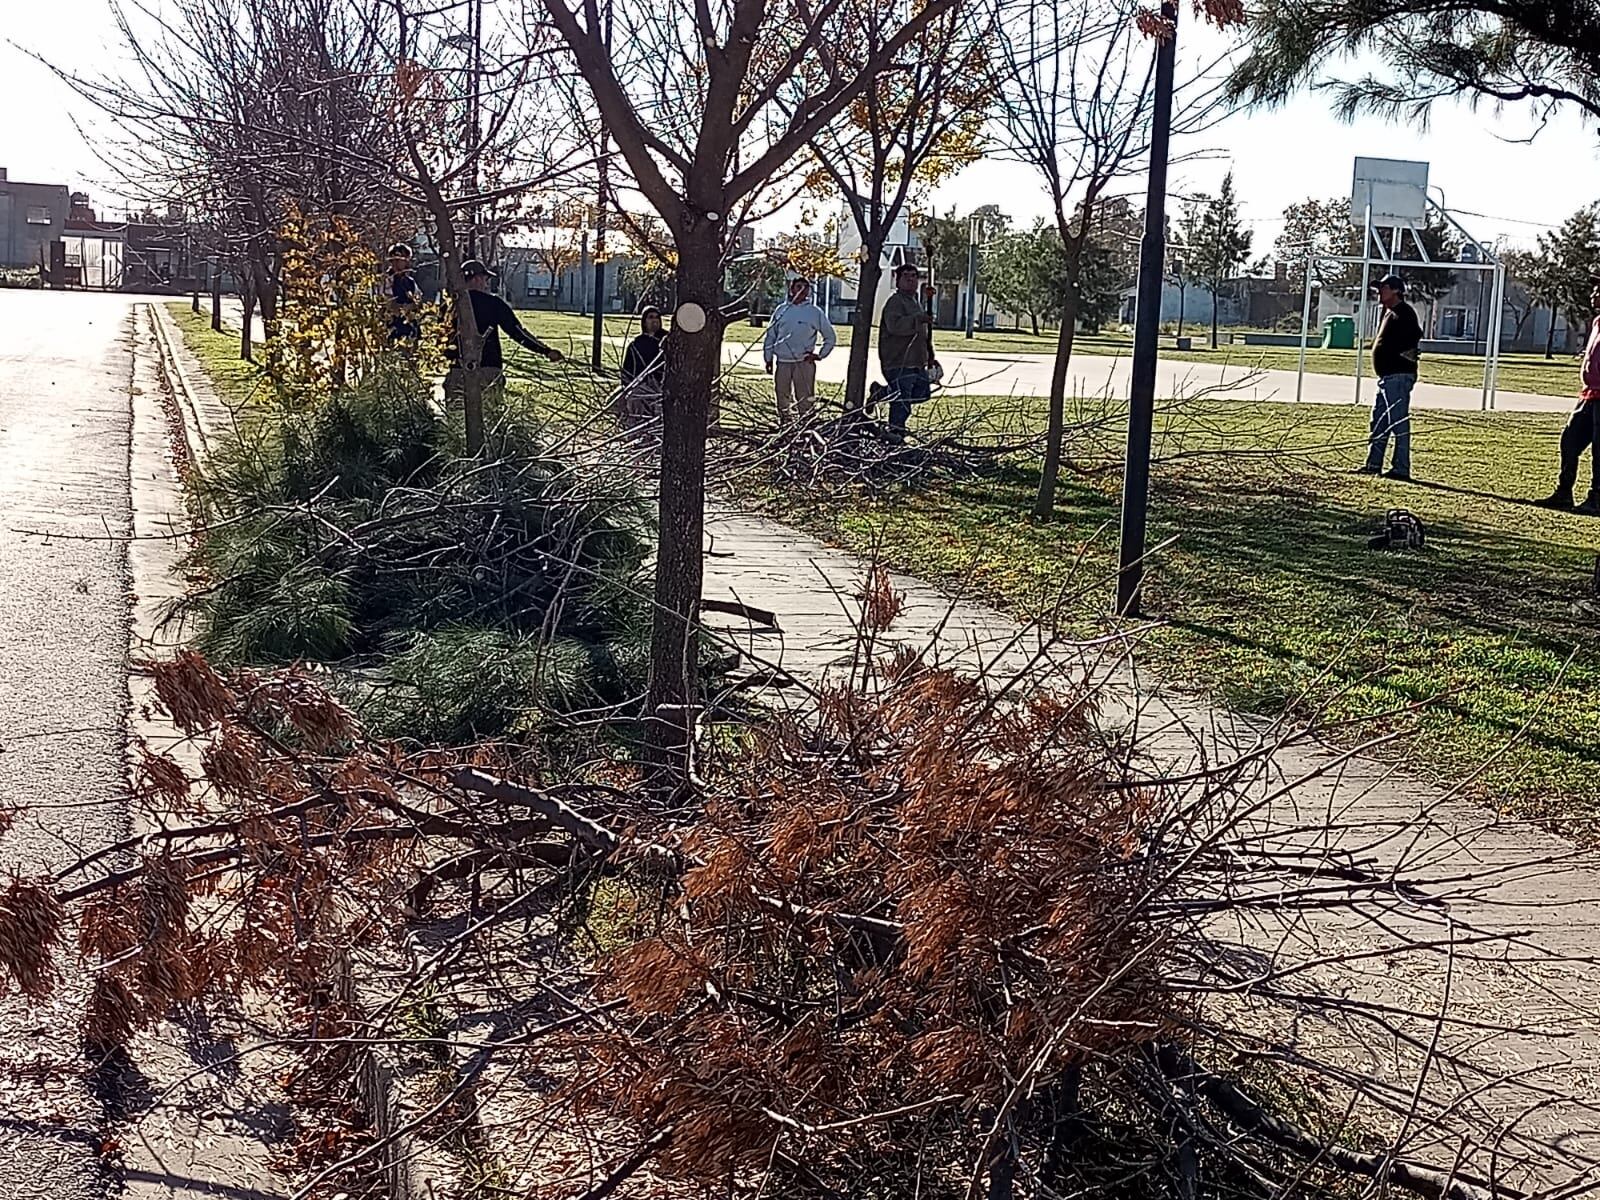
(374, 1077)
(204, 1135)
(194, 433)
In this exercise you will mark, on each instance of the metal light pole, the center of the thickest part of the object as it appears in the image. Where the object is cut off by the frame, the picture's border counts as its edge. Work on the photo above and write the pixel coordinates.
(972, 271)
(475, 66)
(1146, 331)
(600, 227)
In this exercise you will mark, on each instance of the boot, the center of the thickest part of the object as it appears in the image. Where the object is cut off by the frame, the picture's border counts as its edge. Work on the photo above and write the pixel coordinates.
(1591, 506)
(1561, 498)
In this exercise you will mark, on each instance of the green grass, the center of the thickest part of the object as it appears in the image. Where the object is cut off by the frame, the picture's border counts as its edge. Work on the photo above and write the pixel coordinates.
(1270, 600)
(237, 382)
(1518, 372)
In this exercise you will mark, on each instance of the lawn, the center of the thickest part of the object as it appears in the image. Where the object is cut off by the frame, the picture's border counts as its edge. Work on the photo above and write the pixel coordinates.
(1478, 647)
(1269, 598)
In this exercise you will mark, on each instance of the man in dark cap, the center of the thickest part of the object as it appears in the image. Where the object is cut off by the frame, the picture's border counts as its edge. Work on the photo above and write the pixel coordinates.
(492, 315)
(1582, 431)
(1395, 352)
(905, 346)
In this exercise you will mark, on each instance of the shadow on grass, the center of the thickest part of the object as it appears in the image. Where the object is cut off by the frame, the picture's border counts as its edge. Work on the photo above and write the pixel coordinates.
(1272, 600)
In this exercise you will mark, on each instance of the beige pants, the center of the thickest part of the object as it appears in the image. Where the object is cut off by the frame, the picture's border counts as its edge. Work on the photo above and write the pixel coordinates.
(796, 385)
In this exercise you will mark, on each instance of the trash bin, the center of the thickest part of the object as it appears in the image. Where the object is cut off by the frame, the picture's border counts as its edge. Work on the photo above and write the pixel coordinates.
(1339, 333)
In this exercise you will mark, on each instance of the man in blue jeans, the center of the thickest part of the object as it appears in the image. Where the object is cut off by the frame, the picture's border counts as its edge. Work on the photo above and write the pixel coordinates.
(1395, 353)
(905, 347)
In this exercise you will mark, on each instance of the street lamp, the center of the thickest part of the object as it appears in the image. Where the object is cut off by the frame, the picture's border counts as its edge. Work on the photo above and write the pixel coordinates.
(972, 270)
(1147, 330)
(600, 224)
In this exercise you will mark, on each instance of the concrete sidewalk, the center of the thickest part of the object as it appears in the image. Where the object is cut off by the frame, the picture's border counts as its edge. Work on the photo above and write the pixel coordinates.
(1472, 1002)
(1097, 375)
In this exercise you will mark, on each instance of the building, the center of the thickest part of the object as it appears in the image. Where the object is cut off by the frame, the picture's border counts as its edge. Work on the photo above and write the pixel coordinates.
(1252, 301)
(901, 246)
(549, 266)
(92, 249)
(32, 216)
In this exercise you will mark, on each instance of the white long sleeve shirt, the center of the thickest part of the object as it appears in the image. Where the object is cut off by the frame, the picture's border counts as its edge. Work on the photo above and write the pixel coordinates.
(793, 333)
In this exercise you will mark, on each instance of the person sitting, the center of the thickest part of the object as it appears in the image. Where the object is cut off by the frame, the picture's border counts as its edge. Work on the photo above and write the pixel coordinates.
(644, 370)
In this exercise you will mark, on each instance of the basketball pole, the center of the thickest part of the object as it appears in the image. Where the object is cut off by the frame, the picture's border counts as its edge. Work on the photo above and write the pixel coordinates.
(1305, 324)
(1366, 276)
(1147, 331)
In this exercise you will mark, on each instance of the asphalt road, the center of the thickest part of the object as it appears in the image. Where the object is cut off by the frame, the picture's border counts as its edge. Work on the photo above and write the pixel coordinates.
(64, 612)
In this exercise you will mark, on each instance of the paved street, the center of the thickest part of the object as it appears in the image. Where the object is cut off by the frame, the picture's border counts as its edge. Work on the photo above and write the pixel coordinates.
(64, 508)
(1094, 375)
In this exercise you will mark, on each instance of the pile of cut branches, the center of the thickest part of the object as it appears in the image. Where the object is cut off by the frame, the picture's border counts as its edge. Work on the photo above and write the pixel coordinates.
(353, 533)
(920, 938)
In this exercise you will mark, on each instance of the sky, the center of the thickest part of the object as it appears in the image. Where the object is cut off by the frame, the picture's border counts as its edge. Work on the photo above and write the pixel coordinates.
(1499, 184)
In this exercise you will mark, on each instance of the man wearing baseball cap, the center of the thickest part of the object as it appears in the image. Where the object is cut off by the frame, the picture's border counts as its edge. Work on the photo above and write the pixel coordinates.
(1582, 431)
(1395, 352)
(492, 315)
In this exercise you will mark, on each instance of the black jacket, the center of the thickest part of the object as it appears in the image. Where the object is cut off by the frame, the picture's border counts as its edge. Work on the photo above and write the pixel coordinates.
(405, 299)
(643, 355)
(1394, 350)
(494, 314)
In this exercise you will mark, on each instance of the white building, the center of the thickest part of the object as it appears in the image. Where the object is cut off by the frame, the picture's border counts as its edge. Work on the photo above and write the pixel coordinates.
(901, 246)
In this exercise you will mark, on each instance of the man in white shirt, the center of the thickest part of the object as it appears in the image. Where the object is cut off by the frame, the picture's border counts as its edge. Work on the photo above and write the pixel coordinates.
(791, 351)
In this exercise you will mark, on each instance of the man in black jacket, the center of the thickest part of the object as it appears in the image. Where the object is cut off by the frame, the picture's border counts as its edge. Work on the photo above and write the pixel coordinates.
(1395, 353)
(492, 315)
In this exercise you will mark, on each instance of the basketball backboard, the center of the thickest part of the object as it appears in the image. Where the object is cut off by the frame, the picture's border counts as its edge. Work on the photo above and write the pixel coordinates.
(1396, 189)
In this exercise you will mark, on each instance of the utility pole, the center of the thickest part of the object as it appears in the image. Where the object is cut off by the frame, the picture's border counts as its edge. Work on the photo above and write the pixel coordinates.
(972, 271)
(1147, 331)
(475, 67)
(598, 355)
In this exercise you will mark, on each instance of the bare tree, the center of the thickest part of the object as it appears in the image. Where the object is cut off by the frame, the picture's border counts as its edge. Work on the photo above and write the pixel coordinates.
(231, 110)
(918, 122)
(707, 103)
(1073, 91)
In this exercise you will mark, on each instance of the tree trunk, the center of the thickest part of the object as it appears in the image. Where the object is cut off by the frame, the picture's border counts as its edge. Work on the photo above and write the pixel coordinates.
(216, 297)
(867, 280)
(1550, 335)
(247, 350)
(1183, 303)
(1034, 317)
(693, 359)
(1213, 316)
(1044, 504)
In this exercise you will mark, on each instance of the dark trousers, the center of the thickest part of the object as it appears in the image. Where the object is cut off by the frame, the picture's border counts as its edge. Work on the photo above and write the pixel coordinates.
(1582, 433)
(907, 386)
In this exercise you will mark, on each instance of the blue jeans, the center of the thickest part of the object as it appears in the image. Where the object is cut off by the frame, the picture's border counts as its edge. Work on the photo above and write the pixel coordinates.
(907, 385)
(1391, 413)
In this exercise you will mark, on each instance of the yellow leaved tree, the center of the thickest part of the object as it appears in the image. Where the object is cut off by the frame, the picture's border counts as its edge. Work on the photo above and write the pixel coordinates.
(916, 124)
(333, 317)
